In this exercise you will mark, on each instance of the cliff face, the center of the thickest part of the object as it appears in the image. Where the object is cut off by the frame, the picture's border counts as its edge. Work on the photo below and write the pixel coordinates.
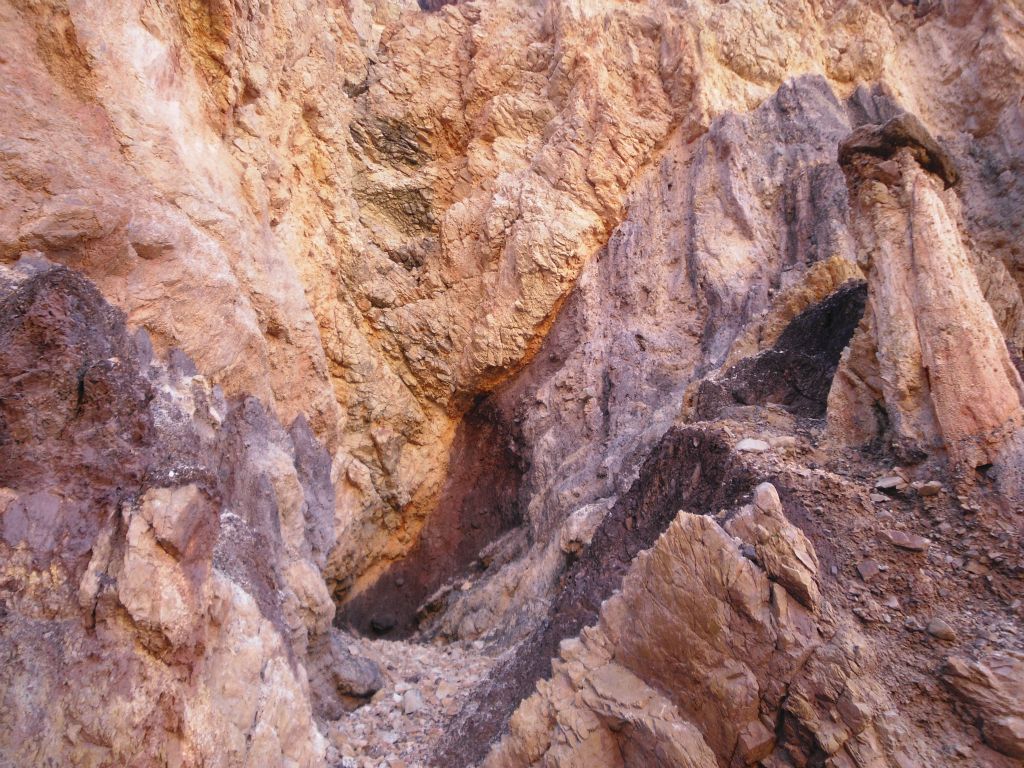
(425, 320)
(161, 549)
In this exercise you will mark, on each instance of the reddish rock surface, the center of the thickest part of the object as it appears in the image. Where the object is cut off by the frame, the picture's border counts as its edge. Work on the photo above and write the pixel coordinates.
(642, 378)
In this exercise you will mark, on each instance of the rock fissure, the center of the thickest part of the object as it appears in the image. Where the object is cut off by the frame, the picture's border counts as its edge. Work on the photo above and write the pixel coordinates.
(562, 383)
(664, 487)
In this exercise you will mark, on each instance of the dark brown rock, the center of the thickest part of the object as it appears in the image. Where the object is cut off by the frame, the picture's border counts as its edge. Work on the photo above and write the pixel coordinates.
(902, 131)
(797, 371)
(151, 523)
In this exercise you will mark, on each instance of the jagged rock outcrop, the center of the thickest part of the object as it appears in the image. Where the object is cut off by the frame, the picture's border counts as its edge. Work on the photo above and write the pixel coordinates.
(162, 550)
(521, 276)
(929, 325)
(705, 659)
(782, 550)
(688, 469)
(992, 689)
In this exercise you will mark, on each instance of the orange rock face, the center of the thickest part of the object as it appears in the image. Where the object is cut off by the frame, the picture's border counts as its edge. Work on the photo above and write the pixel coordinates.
(486, 322)
(933, 329)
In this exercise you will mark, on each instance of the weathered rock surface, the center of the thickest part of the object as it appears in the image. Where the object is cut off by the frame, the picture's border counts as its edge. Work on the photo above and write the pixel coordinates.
(702, 661)
(798, 370)
(929, 323)
(521, 277)
(382, 211)
(162, 550)
(993, 691)
(782, 550)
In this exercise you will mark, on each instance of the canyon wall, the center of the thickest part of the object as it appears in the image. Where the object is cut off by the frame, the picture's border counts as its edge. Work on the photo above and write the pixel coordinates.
(162, 549)
(424, 322)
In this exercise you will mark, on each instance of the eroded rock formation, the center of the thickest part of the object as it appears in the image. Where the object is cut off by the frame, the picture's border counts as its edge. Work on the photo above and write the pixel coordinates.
(932, 328)
(704, 659)
(546, 292)
(162, 551)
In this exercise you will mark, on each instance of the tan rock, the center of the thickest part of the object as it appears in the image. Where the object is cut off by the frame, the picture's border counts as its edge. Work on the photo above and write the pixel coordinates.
(174, 514)
(782, 549)
(932, 327)
(940, 629)
(579, 528)
(909, 541)
(155, 589)
(993, 689)
(710, 644)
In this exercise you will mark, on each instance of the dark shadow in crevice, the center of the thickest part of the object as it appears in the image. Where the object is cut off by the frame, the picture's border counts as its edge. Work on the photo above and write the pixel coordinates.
(479, 503)
(797, 371)
(692, 469)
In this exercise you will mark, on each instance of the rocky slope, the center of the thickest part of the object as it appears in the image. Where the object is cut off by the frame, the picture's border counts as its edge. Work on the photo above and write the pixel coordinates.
(368, 352)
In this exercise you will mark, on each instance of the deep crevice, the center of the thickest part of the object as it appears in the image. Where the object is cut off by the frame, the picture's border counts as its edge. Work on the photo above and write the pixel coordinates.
(692, 469)
(479, 503)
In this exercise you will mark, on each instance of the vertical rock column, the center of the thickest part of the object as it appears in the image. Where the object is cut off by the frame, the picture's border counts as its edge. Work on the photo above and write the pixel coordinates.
(941, 369)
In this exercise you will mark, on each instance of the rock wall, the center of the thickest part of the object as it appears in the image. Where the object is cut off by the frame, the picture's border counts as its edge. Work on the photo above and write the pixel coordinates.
(493, 261)
(162, 550)
(382, 210)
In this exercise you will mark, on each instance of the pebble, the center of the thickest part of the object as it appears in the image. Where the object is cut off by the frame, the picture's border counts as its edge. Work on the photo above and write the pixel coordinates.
(867, 569)
(783, 441)
(751, 445)
(940, 629)
(977, 568)
(412, 701)
(910, 541)
(931, 488)
(446, 690)
(891, 483)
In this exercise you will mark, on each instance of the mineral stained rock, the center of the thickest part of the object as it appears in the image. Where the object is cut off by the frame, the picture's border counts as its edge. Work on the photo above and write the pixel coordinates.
(933, 329)
(377, 380)
(722, 655)
(162, 550)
